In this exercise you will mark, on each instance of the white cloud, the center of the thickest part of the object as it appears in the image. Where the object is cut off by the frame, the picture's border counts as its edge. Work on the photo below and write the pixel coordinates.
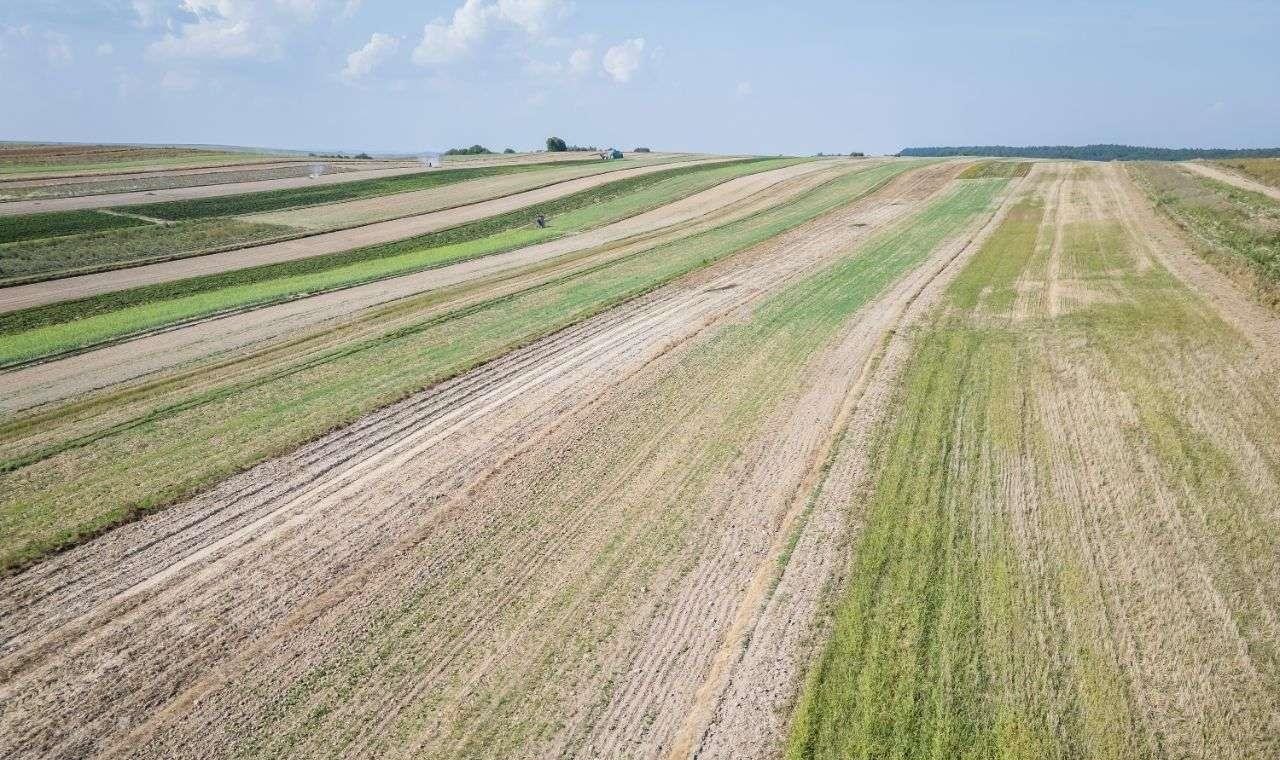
(58, 51)
(351, 8)
(179, 81)
(362, 62)
(581, 61)
(744, 89)
(474, 20)
(105, 48)
(621, 61)
(231, 28)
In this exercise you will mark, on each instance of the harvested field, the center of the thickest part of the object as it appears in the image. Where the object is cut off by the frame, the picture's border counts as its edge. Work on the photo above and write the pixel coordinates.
(589, 608)
(1265, 171)
(1077, 529)
(26, 160)
(721, 458)
(1234, 228)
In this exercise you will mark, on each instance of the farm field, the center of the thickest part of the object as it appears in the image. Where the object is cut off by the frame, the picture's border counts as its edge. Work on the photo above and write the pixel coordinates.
(40, 229)
(722, 457)
(50, 161)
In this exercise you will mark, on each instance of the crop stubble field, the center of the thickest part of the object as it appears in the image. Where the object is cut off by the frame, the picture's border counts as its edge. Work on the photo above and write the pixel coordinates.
(737, 458)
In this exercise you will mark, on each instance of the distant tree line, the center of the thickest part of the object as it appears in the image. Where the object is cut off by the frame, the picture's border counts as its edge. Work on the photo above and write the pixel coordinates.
(339, 155)
(474, 150)
(557, 145)
(1093, 152)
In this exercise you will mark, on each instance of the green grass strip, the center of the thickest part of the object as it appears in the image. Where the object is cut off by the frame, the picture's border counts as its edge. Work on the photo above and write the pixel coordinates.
(1238, 230)
(932, 654)
(14, 229)
(988, 169)
(159, 305)
(59, 496)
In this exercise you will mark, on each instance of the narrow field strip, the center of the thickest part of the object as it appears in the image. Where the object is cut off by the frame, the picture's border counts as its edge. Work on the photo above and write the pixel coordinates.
(89, 252)
(1235, 229)
(254, 287)
(64, 197)
(22, 228)
(1258, 175)
(199, 441)
(1063, 552)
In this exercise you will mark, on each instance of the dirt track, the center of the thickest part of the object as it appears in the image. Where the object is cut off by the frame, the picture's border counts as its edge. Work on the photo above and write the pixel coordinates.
(111, 200)
(52, 291)
(73, 375)
(518, 537)
(1231, 178)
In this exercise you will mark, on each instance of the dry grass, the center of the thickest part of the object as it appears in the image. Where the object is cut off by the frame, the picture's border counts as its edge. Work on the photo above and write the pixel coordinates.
(1265, 170)
(1070, 549)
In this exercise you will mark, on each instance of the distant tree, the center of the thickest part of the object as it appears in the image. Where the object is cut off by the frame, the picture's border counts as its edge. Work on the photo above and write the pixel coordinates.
(556, 145)
(363, 155)
(474, 150)
(641, 150)
(857, 154)
(508, 150)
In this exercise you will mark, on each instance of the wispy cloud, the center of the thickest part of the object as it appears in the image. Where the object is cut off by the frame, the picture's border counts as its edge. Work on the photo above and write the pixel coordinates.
(229, 29)
(581, 61)
(743, 89)
(362, 62)
(57, 49)
(179, 81)
(622, 61)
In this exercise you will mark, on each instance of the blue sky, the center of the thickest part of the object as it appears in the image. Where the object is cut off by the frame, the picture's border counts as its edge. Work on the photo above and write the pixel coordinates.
(791, 77)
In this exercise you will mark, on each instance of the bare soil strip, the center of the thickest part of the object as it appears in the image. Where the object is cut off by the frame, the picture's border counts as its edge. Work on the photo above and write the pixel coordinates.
(539, 506)
(1213, 171)
(109, 200)
(71, 376)
(7, 185)
(38, 294)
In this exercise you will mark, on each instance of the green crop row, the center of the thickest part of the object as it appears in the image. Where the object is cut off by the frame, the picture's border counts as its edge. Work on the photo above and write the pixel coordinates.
(15, 229)
(989, 169)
